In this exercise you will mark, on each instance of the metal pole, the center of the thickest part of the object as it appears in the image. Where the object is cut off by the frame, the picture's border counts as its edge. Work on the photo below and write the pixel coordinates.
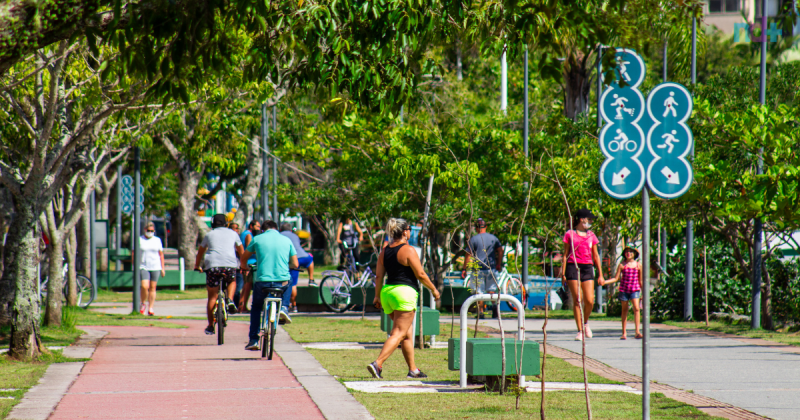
(758, 227)
(664, 69)
(135, 230)
(525, 129)
(265, 157)
(663, 259)
(688, 288)
(646, 303)
(118, 236)
(424, 232)
(598, 288)
(503, 81)
(275, 214)
(93, 244)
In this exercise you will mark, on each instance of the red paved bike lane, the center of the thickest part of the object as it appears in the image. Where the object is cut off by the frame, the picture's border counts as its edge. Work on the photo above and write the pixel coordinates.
(167, 373)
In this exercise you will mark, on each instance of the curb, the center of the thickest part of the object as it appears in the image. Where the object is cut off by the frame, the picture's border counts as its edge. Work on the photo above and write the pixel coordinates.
(40, 401)
(330, 396)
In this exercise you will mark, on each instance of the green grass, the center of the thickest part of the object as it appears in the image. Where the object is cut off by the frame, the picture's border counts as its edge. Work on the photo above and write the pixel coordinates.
(743, 329)
(307, 329)
(112, 296)
(558, 405)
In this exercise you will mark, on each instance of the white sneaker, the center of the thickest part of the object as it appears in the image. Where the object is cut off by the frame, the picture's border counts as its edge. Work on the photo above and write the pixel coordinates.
(579, 337)
(588, 330)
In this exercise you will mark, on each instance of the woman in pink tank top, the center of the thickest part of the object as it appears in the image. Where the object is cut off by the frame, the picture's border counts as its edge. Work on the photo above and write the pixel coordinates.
(580, 256)
(629, 276)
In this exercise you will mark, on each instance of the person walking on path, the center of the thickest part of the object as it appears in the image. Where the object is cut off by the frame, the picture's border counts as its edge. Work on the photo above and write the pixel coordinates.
(151, 267)
(239, 273)
(304, 260)
(398, 297)
(222, 246)
(350, 234)
(487, 250)
(629, 274)
(580, 249)
(275, 255)
(247, 236)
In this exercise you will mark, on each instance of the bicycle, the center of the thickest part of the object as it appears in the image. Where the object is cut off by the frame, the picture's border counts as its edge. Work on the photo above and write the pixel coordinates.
(339, 284)
(508, 285)
(83, 284)
(220, 313)
(269, 320)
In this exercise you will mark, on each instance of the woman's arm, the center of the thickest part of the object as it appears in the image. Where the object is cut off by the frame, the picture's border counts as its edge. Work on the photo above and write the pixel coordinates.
(379, 273)
(564, 261)
(412, 260)
(598, 263)
(339, 233)
(360, 232)
(616, 276)
(641, 282)
(163, 266)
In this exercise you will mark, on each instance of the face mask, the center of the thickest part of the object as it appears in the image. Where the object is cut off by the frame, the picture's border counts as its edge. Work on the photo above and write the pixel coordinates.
(587, 225)
(149, 235)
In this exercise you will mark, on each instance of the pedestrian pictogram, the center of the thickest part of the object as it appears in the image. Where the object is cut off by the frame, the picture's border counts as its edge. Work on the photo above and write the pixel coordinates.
(669, 140)
(127, 195)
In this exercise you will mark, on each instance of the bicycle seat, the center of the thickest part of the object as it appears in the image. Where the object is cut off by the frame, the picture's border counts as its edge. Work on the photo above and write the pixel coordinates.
(275, 290)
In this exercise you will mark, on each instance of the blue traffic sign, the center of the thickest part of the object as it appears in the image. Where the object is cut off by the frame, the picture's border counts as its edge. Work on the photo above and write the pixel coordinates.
(669, 140)
(128, 199)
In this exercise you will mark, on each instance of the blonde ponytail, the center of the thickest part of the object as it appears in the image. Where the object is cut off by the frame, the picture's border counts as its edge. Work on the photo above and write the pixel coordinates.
(395, 228)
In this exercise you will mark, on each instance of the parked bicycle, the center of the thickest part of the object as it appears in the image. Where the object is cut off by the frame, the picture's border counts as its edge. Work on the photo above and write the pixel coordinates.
(269, 320)
(507, 284)
(84, 288)
(336, 287)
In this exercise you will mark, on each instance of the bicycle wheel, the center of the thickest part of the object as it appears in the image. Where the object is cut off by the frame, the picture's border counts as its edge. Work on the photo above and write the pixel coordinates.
(335, 294)
(515, 287)
(84, 291)
(220, 319)
(264, 330)
(271, 339)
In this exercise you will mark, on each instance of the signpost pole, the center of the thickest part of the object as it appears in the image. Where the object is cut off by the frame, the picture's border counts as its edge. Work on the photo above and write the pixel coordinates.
(275, 214)
(137, 258)
(503, 81)
(646, 303)
(599, 289)
(93, 244)
(265, 157)
(118, 236)
(525, 125)
(758, 227)
(688, 298)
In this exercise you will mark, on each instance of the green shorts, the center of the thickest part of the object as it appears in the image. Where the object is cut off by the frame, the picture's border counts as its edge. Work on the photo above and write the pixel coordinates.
(398, 298)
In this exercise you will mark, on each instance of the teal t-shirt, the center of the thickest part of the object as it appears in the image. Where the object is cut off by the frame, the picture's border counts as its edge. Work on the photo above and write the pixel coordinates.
(272, 251)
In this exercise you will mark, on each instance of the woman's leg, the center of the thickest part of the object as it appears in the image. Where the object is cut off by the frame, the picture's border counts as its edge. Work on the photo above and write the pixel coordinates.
(625, 318)
(212, 300)
(151, 296)
(574, 289)
(144, 291)
(408, 345)
(403, 320)
(588, 303)
(636, 315)
(294, 297)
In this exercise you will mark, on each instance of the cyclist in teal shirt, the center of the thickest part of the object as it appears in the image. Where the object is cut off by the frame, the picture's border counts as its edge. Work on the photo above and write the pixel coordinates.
(247, 236)
(275, 255)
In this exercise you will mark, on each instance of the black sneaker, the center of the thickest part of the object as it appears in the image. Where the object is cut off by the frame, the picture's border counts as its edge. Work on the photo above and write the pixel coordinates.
(375, 370)
(209, 330)
(252, 345)
(231, 307)
(419, 375)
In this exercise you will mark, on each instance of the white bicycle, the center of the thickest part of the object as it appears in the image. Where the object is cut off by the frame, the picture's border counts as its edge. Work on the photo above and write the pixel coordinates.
(508, 285)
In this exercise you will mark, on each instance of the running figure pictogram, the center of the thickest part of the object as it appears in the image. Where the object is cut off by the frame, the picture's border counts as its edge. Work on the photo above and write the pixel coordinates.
(619, 103)
(623, 70)
(669, 139)
(670, 104)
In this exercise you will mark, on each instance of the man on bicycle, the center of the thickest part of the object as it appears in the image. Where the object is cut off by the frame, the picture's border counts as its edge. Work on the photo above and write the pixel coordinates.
(488, 251)
(275, 255)
(221, 245)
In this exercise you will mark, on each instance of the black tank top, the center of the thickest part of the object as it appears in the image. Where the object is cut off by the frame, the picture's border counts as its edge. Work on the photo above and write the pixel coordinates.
(396, 273)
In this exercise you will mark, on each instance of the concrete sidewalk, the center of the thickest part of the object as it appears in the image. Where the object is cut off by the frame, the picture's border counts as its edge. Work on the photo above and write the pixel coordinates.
(739, 371)
(162, 373)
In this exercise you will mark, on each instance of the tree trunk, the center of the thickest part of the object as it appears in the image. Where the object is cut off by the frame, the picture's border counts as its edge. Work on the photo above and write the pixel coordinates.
(332, 252)
(71, 251)
(576, 87)
(255, 168)
(55, 252)
(19, 297)
(767, 321)
(104, 188)
(84, 245)
(187, 226)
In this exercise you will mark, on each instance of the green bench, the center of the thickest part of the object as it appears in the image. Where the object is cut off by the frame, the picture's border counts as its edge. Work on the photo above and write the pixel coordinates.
(430, 322)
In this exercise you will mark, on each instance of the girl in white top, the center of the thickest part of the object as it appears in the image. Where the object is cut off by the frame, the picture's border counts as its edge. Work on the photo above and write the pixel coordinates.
(151, 267)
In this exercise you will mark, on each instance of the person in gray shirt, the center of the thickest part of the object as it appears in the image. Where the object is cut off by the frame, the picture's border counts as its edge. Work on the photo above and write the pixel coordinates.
(218, 254)
(487, 250)
(304, 260)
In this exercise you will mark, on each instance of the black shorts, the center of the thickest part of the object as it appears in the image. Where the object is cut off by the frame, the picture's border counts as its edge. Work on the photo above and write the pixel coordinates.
(586, 272)
(216, 275)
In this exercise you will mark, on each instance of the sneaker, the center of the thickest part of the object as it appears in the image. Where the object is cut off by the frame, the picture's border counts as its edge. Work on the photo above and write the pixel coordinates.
(579, 337)
(293, 310)
(588, 330)
(142, 307)
(209, 330)
(252, 345)
(312, 283)
(231, 307)
(285, 318)
(375, 370)
(418, 375)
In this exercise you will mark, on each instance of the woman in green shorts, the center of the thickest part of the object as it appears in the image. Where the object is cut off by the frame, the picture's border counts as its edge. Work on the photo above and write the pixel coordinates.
(398, 297)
